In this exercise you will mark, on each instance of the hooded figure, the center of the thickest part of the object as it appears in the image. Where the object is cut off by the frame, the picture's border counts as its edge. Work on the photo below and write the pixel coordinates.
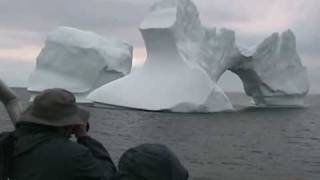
(151, 162)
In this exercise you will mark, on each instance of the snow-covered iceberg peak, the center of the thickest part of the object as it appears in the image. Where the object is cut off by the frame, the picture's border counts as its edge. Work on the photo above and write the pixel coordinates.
(79, 61)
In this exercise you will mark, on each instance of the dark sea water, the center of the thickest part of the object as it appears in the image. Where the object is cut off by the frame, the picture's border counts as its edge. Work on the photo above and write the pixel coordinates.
(249, 144)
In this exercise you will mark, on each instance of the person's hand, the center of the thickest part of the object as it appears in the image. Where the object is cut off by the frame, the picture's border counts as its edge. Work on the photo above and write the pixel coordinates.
(81, 130)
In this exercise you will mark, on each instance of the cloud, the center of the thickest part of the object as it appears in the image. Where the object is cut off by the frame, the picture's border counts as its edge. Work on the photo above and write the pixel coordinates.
(27, 53)
(119, 18)
(252, 20)
(42, 14)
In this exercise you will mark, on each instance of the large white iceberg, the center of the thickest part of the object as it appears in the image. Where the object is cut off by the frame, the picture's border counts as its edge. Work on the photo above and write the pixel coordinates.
(79, 61)
(185, 61)
(172, 78)
(274, 75)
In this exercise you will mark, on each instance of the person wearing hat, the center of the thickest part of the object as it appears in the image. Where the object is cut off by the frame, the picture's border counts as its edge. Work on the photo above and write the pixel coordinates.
(43, 150)
(150, 162)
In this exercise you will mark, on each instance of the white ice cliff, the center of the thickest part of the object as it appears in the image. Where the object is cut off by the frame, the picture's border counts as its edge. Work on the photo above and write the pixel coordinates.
(219, 52)
(274, 75)
(80, 62)
(174, 77)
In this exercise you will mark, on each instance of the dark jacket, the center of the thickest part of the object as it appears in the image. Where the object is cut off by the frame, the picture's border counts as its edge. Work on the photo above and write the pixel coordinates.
(150, 162)
(41, 154)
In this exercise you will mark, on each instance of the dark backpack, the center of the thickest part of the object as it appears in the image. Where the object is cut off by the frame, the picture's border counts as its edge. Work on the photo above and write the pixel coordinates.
(6, 154)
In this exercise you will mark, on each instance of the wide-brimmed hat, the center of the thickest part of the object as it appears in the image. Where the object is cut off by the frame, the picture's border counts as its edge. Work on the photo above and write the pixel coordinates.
(55, 107)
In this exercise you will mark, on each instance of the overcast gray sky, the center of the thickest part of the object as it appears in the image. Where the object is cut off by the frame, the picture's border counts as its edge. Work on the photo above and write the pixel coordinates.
(24, 25)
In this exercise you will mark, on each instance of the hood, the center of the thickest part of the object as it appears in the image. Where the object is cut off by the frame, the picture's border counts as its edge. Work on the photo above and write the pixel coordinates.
(151, 162)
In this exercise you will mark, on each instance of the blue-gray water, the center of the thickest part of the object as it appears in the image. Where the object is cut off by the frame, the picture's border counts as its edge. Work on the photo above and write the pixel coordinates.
(252, 144)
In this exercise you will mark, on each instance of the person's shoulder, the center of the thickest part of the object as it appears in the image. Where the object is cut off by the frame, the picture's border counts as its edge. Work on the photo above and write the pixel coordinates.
(68, 147)
(67, 152)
